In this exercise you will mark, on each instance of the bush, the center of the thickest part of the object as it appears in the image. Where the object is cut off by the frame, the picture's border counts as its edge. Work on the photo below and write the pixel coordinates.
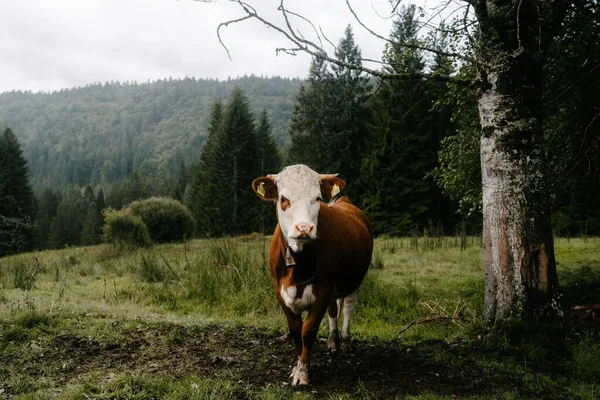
(123, 229)
(167, 220)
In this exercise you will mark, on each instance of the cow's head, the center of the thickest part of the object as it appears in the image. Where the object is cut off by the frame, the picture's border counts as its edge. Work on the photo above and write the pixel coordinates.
(298, 192)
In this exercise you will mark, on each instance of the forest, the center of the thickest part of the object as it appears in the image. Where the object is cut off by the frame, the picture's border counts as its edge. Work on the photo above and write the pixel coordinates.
(408, 148)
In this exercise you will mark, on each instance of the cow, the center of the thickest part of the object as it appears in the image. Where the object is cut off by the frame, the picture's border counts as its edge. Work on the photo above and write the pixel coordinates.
(319, 254)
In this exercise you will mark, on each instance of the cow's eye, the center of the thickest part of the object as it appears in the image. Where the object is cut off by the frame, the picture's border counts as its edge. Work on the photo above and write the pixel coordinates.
(318, 199)
(285, 203)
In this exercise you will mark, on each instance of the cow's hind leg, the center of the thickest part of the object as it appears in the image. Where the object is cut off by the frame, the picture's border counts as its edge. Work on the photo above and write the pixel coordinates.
(333, 343)
(348, 306)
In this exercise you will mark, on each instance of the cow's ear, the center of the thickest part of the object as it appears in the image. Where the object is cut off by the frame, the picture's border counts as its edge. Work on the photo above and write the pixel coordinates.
(265, 188)
(331, 186)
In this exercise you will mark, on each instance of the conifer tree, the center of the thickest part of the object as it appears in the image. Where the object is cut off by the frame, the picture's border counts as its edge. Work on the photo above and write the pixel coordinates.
(237, 164)
(269, 157)
(349, 88)
(403, 141)
(46, 212)
(16, 197)
(91, 218)
(201, 201)
(269, 163)
(309, 125)
(66, 228)
(178, 188)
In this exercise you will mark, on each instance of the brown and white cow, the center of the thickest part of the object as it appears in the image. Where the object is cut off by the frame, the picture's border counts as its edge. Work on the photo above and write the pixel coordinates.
(319, 255)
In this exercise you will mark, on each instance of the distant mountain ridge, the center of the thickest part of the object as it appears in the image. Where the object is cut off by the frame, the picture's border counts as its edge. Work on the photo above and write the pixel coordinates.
(104, 132)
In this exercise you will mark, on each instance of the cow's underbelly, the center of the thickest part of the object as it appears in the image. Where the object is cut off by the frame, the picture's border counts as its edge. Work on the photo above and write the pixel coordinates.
(295, 301)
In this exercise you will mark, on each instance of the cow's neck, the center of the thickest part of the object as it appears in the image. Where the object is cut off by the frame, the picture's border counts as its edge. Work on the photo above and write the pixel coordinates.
(302, 266)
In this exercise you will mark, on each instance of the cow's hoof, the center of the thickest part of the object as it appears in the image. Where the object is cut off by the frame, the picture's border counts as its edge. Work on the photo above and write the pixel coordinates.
(284, 338)
(346, 344)
(299, 374)
(333, 344)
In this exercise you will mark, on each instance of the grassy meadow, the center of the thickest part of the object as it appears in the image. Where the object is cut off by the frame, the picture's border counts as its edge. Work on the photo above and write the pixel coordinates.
(199, 320)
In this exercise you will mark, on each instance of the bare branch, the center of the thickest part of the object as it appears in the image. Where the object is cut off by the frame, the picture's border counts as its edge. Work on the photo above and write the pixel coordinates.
(284, 11)
(311, 48)
(407, 45)
(326, 38)
(224, 24)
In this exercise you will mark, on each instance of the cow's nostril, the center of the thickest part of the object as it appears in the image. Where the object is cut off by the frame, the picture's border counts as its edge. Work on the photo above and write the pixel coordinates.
(305, 228)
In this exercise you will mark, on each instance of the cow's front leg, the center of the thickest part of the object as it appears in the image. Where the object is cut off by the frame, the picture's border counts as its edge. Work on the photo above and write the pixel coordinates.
(295, 326)
(310, 328)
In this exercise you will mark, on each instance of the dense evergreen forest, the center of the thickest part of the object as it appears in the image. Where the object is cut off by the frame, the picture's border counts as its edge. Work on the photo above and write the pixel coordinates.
(409, 149)
(102, 133)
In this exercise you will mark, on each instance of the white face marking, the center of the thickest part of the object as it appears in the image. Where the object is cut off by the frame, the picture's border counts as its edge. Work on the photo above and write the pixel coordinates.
(301, 186)
(297, 305)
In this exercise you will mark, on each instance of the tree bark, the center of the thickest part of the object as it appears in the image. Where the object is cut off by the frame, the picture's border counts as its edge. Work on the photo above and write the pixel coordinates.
(520, 268)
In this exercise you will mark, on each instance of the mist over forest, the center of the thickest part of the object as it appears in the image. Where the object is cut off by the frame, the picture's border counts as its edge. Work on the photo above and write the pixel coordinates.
(101, 133)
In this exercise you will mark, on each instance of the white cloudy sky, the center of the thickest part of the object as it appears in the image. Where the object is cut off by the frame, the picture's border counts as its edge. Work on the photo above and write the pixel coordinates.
(53, 44)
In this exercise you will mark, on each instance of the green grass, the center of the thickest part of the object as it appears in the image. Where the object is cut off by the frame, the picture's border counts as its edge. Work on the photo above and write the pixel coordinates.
(417, 295)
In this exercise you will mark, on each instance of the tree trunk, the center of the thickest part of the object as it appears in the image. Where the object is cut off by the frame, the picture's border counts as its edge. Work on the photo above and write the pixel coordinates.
(520, 269)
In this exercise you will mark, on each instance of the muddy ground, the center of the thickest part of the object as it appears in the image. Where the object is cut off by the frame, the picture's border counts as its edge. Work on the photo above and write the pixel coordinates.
(257, 358)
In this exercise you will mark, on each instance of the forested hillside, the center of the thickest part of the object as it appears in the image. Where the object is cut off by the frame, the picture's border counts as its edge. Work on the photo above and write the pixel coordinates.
(103, 132)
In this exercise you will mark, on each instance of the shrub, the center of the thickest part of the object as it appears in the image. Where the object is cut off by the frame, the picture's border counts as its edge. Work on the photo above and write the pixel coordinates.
(167, 219)
(123, 229)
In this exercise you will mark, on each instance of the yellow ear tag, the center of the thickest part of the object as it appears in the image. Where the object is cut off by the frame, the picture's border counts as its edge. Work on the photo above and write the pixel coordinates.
(261, 190)
(335, 190)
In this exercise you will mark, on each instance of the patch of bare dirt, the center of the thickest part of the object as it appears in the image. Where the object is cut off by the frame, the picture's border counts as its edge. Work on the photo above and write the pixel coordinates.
(258, 358)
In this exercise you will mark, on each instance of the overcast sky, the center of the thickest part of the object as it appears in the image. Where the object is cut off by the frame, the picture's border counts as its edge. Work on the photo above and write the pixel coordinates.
(52, 44)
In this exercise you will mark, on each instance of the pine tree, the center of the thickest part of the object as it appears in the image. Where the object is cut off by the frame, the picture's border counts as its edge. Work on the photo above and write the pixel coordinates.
(91, 219)
(202, 201)
(65, 229)
(16, 197)
(349, 88)
(310, 120)
(269, 163)
(269, 157)
(47, 205)
(236, 160)
(403, 140)
(178, 188)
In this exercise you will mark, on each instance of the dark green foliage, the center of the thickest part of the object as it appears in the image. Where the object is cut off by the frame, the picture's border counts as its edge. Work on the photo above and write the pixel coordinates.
(125, 230)
(459, 173)
(46, 213)
(236, 152)
(202, 200)
(16, 197)
(308, 128)
(66, 228)
(328, 128)
(404, 139)
(135, 187)
(102, 133)
(571, 128)
(269, 163)
(179, 188)
(167, 219)
(269, 159)
(348, 114)
(220, 197)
